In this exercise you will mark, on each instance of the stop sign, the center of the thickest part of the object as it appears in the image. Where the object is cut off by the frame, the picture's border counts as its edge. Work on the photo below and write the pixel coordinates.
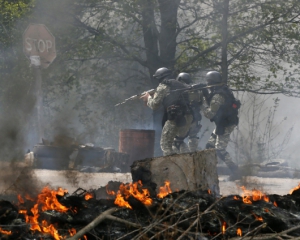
(39, 41)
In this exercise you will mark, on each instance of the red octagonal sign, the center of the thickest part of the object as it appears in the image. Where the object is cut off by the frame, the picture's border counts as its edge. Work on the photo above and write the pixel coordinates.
(39, 41)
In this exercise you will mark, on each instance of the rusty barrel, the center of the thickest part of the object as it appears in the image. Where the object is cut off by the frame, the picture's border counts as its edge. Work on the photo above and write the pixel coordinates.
(138, 143)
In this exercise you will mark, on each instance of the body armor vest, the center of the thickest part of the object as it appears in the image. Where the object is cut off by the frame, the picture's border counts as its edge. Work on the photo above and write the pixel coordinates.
(175, 98)
(175, 103)
(227, 114)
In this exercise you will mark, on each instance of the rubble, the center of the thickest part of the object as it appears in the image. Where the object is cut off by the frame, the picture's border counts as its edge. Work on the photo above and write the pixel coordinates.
(195, 214)
(172, 197)
(272, 168)
(84, 158)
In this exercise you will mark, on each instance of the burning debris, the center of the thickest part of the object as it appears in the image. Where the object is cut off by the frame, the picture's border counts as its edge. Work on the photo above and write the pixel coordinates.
(168, 199)
(131, 212)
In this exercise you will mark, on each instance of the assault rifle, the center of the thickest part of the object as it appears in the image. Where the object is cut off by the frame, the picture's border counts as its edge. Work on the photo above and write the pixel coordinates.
(151, 91)
(198, 86)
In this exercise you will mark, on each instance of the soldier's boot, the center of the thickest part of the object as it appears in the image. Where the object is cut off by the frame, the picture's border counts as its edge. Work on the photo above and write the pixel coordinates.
(193, 144)
(235, 172)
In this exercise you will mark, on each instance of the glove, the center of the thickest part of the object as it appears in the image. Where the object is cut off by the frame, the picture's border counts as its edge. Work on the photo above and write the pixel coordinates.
(205, 93)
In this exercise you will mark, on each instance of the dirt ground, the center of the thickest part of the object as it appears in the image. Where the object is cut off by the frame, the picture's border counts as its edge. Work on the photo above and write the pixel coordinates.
(24, 181)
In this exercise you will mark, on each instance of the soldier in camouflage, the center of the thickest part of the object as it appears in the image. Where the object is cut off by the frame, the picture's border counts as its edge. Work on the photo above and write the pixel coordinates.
(195, 100)
(222, 109)
(178, 115)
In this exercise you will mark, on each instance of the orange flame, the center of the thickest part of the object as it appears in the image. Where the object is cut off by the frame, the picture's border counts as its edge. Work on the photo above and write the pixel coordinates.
(131, 189)
(224, 227)
(72, 231)
(295, 188)
(50, 229)
(5, 232)
(21, 200)
(88, 196)
(28, 197)
(258, 217)
(239, 232)
(275, 204)
(165, 190)
(266, 210)
(236, 198)
(22, 211)
(266, 198)
(120, 201)
(254, 195)
(109, 192)
(209, 192)
(46, 200)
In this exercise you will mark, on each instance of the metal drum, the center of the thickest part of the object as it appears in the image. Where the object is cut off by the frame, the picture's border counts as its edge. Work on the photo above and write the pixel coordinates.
(138, 143)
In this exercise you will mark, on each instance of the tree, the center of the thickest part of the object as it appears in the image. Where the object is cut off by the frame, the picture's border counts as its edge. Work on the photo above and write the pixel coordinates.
(259, 137)
(16, 100)
(10, 13)
(233, 36)
(248, 41)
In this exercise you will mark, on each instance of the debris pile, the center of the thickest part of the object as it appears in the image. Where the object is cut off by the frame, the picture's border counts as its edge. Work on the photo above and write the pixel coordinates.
(81, 157)
(278, 168)
(128, 211)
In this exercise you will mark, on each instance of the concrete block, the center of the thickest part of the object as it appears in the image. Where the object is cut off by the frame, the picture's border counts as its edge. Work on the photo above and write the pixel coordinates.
(188, 171)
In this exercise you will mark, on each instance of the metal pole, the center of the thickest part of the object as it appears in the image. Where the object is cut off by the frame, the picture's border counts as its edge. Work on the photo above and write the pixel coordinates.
(39, 102)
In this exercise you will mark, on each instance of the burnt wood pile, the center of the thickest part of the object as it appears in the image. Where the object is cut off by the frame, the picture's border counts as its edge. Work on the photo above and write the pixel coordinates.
(195, 214)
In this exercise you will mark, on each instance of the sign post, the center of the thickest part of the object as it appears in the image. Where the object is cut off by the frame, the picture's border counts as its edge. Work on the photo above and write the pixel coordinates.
(39, 47)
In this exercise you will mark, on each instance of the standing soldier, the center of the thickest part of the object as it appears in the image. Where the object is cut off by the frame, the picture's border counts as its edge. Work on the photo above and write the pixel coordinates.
(223, 111)
(177, 112)
(195, 100)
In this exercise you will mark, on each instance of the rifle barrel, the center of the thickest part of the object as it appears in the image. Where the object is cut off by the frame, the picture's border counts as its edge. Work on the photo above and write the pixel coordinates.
(135, 97)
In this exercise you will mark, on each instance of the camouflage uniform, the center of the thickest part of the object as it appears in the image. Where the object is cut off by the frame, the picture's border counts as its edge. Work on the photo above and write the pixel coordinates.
(170, 129)
(219, 142)
(196, 99)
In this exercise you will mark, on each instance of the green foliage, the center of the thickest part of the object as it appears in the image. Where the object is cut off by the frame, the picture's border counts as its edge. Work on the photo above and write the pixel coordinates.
(107, 50)
(12, 64)
(261, 38)
(10, 13)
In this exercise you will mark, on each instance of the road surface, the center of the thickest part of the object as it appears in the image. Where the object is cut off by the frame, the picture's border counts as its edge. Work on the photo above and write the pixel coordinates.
(26, 181)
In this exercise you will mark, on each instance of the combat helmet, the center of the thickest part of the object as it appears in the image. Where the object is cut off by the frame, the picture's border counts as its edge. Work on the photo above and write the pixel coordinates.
(184, 77)
(213, 77)
(162, 73)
